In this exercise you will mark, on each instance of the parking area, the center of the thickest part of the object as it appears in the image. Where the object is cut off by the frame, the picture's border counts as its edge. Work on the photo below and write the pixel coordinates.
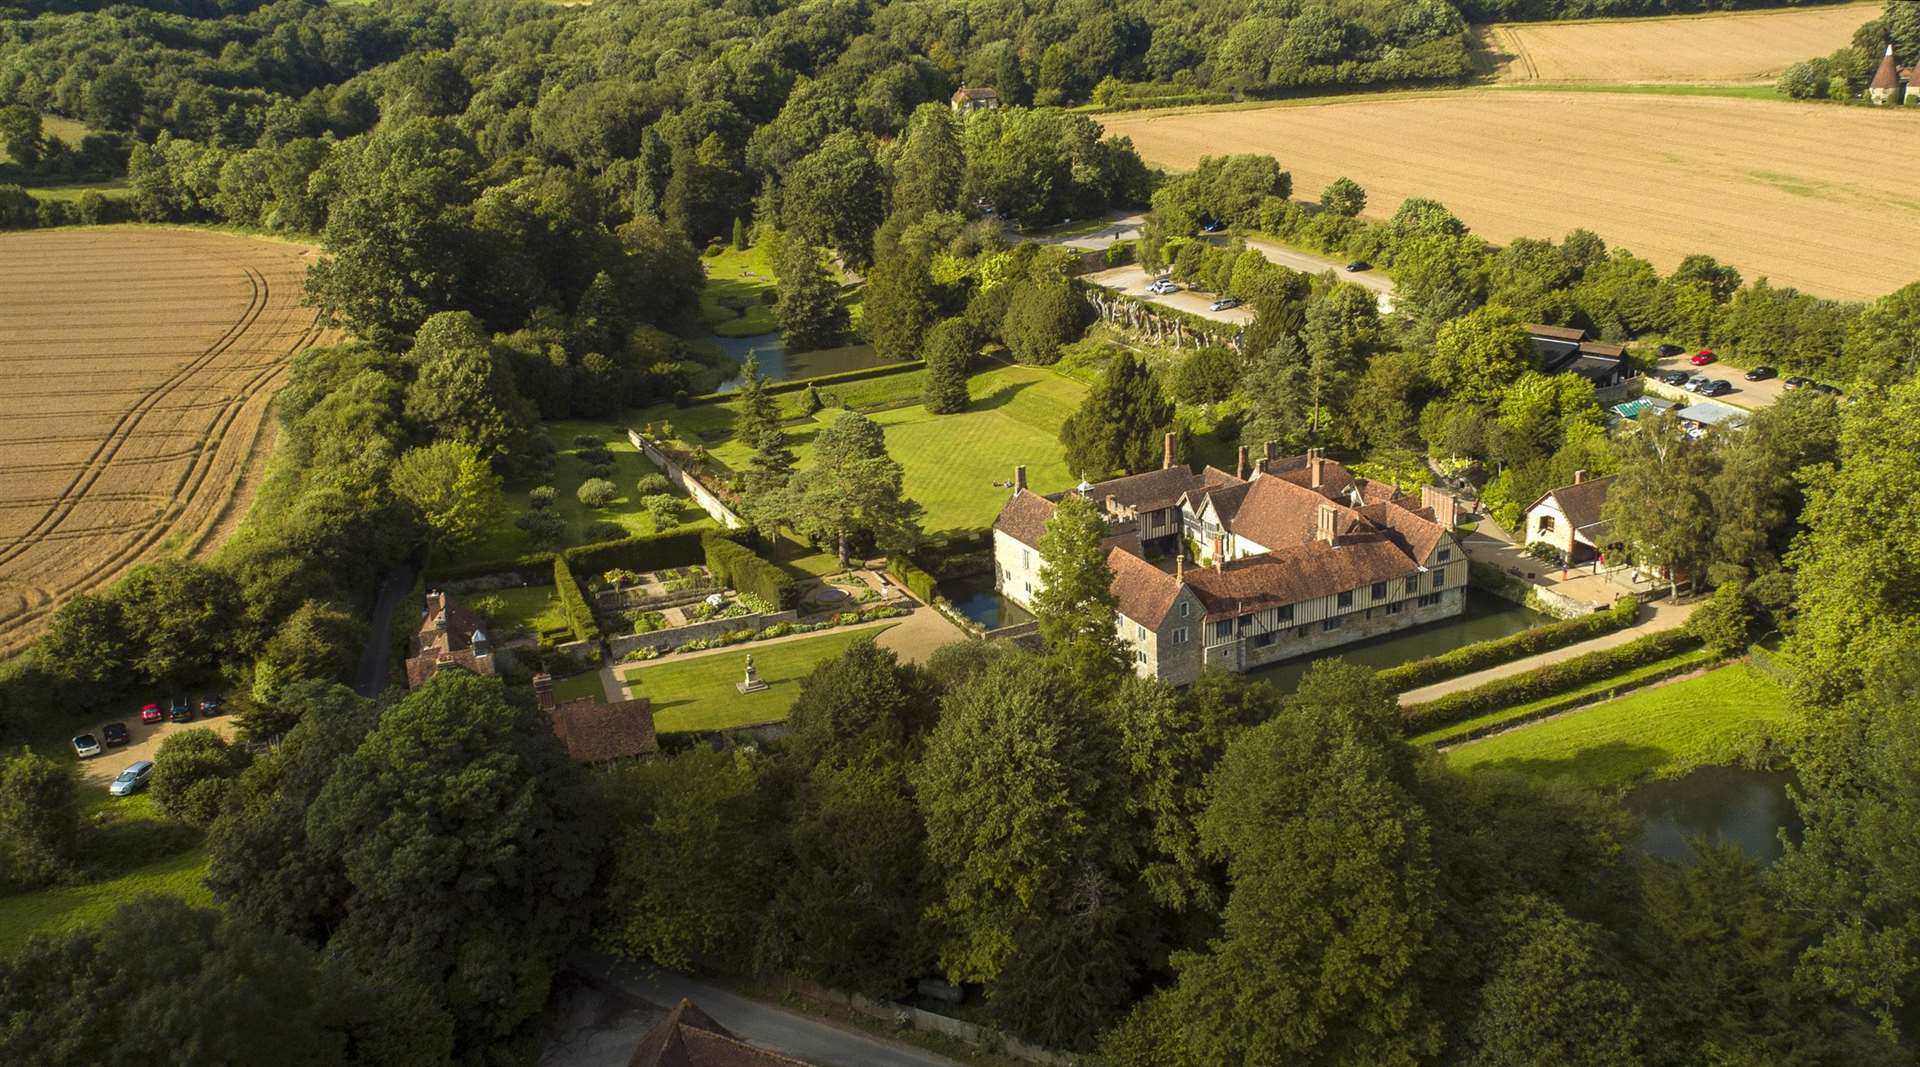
(1134, 281)
(143, 743)
(1746, 394)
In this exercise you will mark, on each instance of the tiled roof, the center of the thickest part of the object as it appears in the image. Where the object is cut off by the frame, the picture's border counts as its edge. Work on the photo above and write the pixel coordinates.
(1581, 503)
(689, 1037)
(1150, 491)
(1888, 75)
(1335, 479)
(1414, 529)
(1554, 333)
(1142, 591)
(1024, 517)
(445, 639)
(977, 92)
(1299, 572)
(426, 665)
(594, 732)
(1276, 512)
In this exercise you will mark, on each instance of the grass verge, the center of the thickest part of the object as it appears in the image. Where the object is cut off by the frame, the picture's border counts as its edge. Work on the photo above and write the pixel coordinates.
(1652, 732)
(1596, 691)
(697, 693)
(733, 303)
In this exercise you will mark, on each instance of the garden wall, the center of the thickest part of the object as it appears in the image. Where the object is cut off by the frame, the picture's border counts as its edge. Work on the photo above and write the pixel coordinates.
(701, 495)
(673, 637)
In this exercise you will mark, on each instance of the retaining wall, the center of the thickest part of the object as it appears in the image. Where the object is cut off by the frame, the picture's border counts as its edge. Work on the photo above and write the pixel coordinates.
(687, 483)
(674, 636)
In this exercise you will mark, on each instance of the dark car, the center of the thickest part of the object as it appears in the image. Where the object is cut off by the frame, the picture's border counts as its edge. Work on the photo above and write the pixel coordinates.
(1717, 387)
(152, 714)
(181, 711)
(1675, 377)
(209, 707)
(1830, 390)
(1359, 265)
(1796, 382)
(115, 734)
(1213, 227)
(1761, 374)
(1670, 350)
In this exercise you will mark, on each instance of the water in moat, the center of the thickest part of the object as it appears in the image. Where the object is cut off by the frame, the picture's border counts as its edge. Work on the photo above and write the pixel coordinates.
(976, 598)
(1731, 804)
(1487, 617)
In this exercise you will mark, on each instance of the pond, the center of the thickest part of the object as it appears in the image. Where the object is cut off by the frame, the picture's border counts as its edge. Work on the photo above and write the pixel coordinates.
(1731, 804)
(779, 365)
(1487, 617)
(976, 598)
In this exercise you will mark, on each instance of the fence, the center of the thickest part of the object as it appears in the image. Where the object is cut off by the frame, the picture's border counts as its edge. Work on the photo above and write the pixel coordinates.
(701, 495)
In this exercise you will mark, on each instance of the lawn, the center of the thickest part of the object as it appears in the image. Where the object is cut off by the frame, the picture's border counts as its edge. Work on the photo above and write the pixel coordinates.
(532, 609)
(734, 300)
(113, 190)
(951, 461)
(1597, 690)
(697, 693)
(135, 853)
(1666, 728)
(52, 126)
(585, 685)
(502, 540)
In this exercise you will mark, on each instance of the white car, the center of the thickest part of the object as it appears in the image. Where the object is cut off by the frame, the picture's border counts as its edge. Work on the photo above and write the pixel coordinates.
(1162, 287)
(86, 746)
(133, 779)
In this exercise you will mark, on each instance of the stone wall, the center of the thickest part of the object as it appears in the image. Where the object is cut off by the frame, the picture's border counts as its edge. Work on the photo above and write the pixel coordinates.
(688, 484)
(1356, 626)
(674, 636)
(1560, 605)
(615, 601)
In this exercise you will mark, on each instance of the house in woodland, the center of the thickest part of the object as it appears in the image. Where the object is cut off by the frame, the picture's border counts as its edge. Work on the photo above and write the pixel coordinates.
(450, 636)
(968, 99)
(1283, 557)
(1567, 350)
(1568, 519)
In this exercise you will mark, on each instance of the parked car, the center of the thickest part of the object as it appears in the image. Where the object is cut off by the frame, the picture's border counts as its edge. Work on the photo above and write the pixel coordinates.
(1163, 286)
(151, 714)
(1675, 377)
(1359, 265)
(1213, 226)
(1796, 382)
(1701, 358)
(1761, 374)
(133, 779)
(85, 746)
(1717, 387)
(181, 711)
(209, 706)
(1697, 383)
(115, 734)
(1225, 303)
(1668, 351)
(1830, 390)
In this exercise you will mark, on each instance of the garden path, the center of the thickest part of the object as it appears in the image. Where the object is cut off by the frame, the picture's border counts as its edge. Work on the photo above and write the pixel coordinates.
(1663, 616)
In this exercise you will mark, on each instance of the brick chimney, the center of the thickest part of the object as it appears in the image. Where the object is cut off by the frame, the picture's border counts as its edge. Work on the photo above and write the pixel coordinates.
(1579, 476)
(1180, 564)
(1113, 509)
(1317, 466)
(1328, 520)
(1272, 450)
(1019, 478)
(1169, 445)
(543, 691)
(1240, 464)
(1219, 551)
(1446, 509)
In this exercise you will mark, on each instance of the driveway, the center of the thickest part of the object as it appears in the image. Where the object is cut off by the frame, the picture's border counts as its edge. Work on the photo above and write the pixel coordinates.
(371, 675)
(1134, 281)
(1294, 259)
(144, 743)
(1746, 394)
(607, 1037)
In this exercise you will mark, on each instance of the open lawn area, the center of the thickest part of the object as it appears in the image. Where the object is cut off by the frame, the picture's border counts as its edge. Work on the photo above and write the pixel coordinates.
(1698, 657)
(581, 686)
(135, 853)
(502, 540)
(697, 693)
(532, 609)
(113, 190)
(951, 461)
(736, 301)
(1668, 727)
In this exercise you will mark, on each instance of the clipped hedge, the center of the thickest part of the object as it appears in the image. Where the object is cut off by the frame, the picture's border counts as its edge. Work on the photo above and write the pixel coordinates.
(913, 576)
(678, 547)
(736, 566)
(1484, 654)
(794, 385)
(1543, 682)
(579, 616)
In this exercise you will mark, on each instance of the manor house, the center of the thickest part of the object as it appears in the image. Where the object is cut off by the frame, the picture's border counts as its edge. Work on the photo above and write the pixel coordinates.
(1286, 557)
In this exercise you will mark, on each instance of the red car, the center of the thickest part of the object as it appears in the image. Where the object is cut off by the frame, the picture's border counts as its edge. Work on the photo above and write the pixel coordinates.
(151, 714)
(1701, 358)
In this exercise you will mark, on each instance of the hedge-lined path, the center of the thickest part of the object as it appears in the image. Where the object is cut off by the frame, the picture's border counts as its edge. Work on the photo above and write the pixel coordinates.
(1599, 700)
(1662, 616)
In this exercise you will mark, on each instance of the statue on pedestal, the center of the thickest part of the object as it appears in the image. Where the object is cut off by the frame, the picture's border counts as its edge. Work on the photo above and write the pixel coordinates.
(753, 683)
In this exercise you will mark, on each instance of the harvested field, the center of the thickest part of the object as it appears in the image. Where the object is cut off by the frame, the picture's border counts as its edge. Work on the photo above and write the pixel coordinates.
(140, 364)
(1746, 46)
(1796, 192)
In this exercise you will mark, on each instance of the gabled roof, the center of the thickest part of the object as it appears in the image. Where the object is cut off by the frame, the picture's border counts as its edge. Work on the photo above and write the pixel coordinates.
(689, 1037)
(976, 92)
(1554, 333)
(1276, 512)
(1298, 572)
(594, 732)
(1150, 491)
(1024, 517)
(1580, 503)
(1141, 591)
(1335, 479)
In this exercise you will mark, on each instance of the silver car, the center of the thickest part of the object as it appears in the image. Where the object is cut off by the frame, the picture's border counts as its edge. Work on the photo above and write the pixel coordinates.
(86, 746)
(133, 779)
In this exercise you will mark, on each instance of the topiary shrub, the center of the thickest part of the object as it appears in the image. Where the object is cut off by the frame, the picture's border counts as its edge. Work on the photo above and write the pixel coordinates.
(603, 531)
(541, 496)
(596, 492)
(587, 440)
(650, 484)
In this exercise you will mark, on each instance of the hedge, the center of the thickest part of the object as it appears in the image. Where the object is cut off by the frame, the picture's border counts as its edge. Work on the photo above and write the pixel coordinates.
(794, 385)
(1500, 650)
(913, 576)
(678, 547)
(734, 565)
(578, 614)
(1543, 682)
